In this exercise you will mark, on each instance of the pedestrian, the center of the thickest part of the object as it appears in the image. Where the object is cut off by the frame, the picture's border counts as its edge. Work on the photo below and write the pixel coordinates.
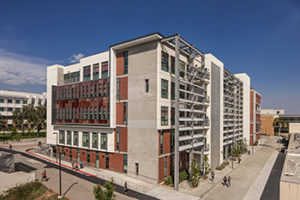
(228, 181)
(239, 160)
(10, 146)
(212, 175)
(81, 164)
(44, 176)
(73, 165)
(76, 166)
(225, 180)
(125, 188)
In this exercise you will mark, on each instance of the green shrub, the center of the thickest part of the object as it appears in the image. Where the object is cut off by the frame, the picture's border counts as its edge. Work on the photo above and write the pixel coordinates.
(183, 176)
(168, 180)
(255, 143)
(222, 166)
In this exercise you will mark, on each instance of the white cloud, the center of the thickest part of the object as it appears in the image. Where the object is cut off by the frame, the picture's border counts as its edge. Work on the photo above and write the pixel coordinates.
(16, 69)
(76, 57)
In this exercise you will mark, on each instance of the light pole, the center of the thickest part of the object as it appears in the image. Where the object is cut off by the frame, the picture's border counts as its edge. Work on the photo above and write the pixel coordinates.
(60, 175)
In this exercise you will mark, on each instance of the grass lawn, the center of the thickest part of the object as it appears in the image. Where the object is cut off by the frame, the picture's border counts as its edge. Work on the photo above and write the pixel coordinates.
(20, 135)
(30, 191)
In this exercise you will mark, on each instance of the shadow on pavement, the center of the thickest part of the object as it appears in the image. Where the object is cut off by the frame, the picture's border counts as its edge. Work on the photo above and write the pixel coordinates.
(19, 166)
(70, 188)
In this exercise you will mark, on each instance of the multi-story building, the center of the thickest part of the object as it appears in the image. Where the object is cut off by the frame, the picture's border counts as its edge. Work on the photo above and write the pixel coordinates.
(267, 118)
(147, 107)
(229, 107)
(11, 100)
(255, 121)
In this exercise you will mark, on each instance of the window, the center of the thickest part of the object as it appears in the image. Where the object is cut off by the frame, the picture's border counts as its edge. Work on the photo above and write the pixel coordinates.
(125, 113)
(32, 101)
(87, 73)
(118, 89)
(182, 69)
(164, 88)
(9, 109)
(165, 166)
(96, 71)
(172, 90)
(95, 140)
(103, 141)
(40, 101)
(172, 140)
(75, 138)
(125, 62)
(1, 100)
(85, 139)
(62, 137)
(172, 64)
(107, 161)
(25, 101)
(104, 69)
(136, 168)
(118, 139)
(172, 116)
(161, 142)
(1, 108)
(18, 101)
(164, 61)
(9, 101)
(125, 163)
(164, 115)
(69, 137)
(75, 77)
(147, 85)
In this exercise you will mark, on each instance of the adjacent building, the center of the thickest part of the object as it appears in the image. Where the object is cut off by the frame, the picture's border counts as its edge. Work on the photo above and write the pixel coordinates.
(147, 107)
(12, 100)
(267, 119)
(255, 121)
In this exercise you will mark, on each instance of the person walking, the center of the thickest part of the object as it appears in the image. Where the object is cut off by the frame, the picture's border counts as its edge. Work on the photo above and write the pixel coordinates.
(73, 166)
(125, 188)
(228, 181)
(239, 160)
(81, 164)
(225, 180)
(44, 176)
(212, 175)
(10, 146)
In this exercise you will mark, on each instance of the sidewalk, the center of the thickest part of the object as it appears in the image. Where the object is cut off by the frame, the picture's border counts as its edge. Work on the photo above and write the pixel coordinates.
(156, 191)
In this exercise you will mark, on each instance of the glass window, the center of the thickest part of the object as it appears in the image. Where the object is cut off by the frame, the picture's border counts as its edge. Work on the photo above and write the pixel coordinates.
(172, 90)
(172, 116)
(172, 64)
(125, 113)
(147, 85)
(9, 109)
(182, 69)
(96, 71)
(67, 78)
(1, 108)
(32, 101)
(125, 163)
(164, 88)
(69, 139)
(1, 100)
(25, 101)
(165, 166)
(161, 142)
(164, 61)
(62, 137)
(85, 139)
(118, 88)
(75, 138)
(9, 101)
(164, 115)
(118, 138)
(125, 62)
(18, 101)
(104, 69)
(137, 168)
(95, 140)
(40, 101)
(103, 141)
(87, 73)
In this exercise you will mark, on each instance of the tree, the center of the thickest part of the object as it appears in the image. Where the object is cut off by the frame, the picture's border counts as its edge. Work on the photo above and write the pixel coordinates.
(279, 122)
(2, 123)
(36, 115)
(106, 193)
(18, 118)
(194, 173)
(205, 166)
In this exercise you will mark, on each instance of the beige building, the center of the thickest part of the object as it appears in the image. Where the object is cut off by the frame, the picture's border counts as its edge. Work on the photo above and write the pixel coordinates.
(267, 118)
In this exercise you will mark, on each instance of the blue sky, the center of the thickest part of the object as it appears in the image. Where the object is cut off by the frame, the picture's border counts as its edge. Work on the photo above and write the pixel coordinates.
(261, 38)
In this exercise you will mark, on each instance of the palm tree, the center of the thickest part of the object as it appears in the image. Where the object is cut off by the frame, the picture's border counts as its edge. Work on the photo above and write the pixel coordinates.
(279, 122)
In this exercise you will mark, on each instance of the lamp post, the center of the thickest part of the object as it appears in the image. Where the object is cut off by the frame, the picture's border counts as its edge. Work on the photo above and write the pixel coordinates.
(60, 174)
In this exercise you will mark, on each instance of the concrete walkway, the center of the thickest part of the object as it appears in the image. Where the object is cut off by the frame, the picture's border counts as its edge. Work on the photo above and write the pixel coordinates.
(250, 175)
(157, 191)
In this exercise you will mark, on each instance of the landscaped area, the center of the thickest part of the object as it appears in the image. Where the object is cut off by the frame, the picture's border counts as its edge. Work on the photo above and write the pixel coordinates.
(30, 191)
(17, 136)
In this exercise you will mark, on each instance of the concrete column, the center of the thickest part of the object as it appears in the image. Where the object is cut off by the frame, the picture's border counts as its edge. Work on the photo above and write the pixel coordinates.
(191, 156)
(202, 157)
(226, 153)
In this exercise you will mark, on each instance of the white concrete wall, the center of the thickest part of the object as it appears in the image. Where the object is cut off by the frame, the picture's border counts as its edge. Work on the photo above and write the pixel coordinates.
(272, 112)
(246, 105)
(12, 179)
(294, 127)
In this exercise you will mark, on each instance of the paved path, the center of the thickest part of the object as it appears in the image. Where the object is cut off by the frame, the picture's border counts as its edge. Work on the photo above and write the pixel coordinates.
(244, 175)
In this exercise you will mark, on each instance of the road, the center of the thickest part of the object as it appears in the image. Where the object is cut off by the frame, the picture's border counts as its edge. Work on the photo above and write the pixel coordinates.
(76, 186)
(271, 191)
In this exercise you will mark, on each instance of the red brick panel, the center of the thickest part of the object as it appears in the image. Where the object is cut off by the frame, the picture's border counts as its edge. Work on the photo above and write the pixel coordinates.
(251, 128)
(102, 157)
(251, 140)
(83, 155)
(120, 63)
(116, 162)
(93, 157)
(67, 153)
(74, 153)
(258, 98)
(167, 143)
(251, 111)
(257, 117)
(119, 113)
(124, 88)
(161, 169)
